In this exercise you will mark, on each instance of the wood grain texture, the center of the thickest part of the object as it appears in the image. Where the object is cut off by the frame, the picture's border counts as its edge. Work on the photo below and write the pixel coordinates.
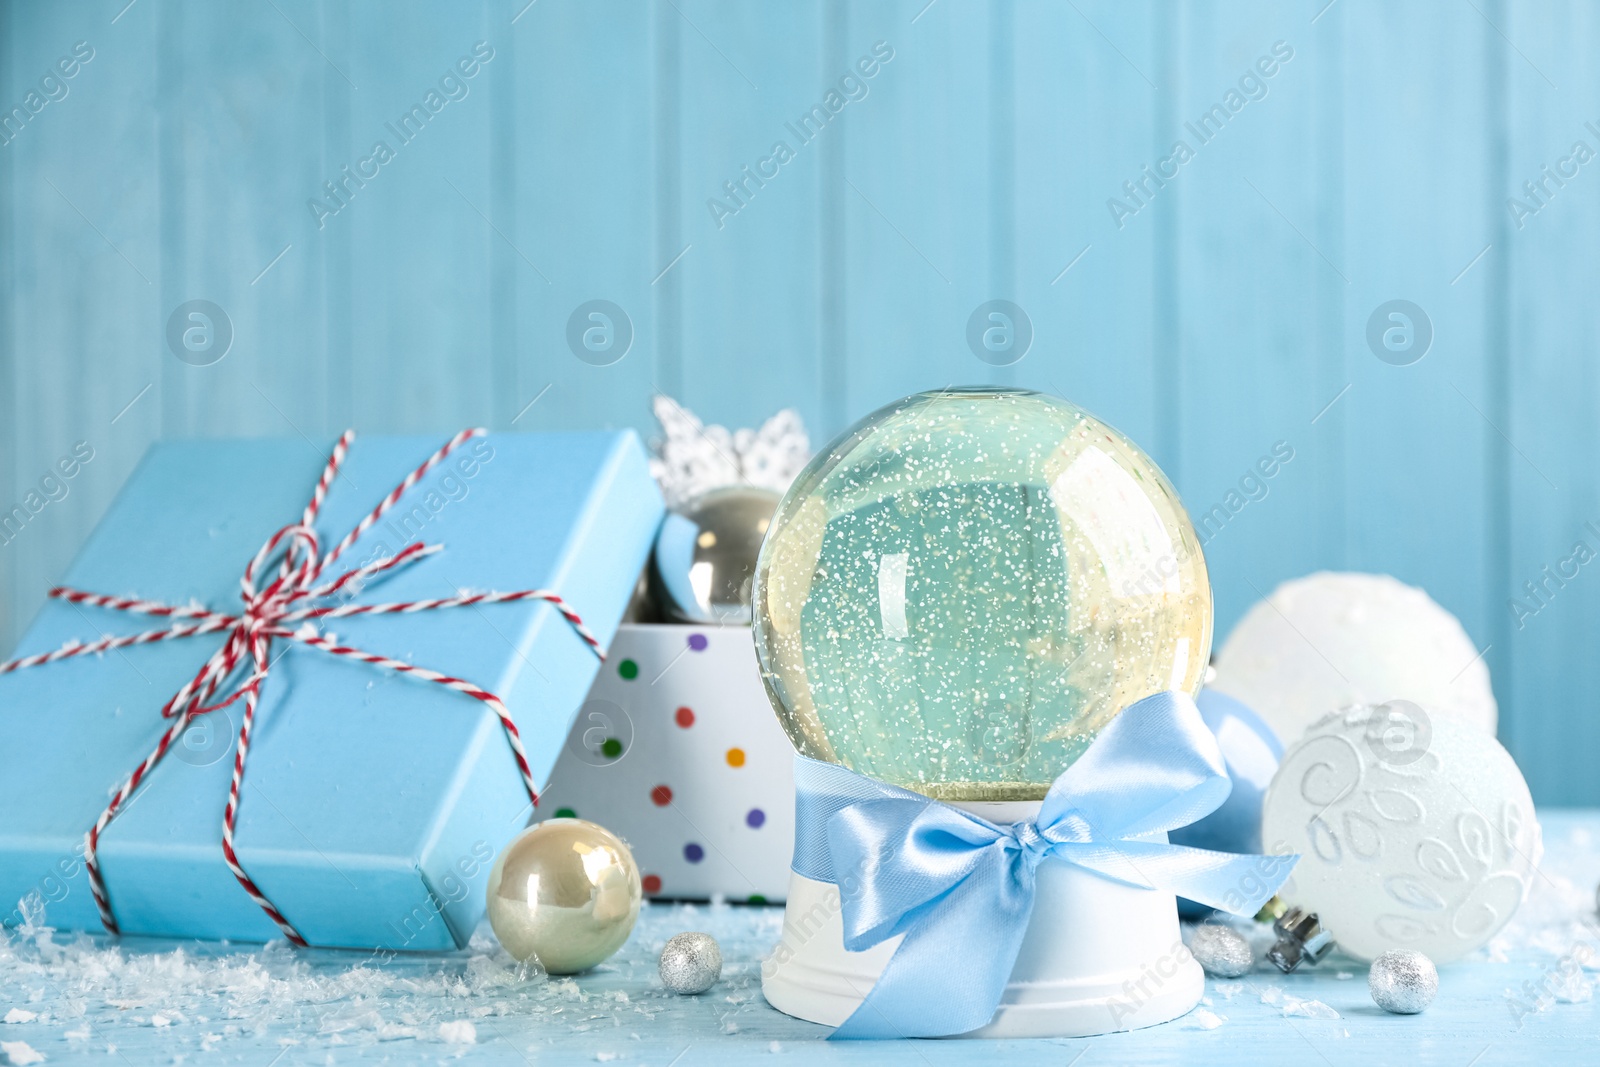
(1227, 313)
(1552, 391)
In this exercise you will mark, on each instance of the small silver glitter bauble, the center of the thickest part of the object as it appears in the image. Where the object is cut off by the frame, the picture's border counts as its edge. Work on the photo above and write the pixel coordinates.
(1403, 982)
(1221, 951)
(564, 894)
(705, 555)
(691, 963)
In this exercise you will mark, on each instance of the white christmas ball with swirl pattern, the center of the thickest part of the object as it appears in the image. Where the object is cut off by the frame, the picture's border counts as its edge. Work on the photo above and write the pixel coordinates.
(1414, 831)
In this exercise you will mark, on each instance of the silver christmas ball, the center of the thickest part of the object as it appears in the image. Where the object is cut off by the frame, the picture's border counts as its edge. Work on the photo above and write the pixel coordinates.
(1221, 951)
(691, 963)
(705, 555)
(1403, 982)
(564, 894)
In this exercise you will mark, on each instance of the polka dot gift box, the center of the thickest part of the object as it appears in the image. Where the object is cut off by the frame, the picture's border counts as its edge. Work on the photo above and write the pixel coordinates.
(677, 751)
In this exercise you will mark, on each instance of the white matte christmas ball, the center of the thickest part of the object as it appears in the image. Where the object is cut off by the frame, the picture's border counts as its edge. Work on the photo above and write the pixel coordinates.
(1331, 640)
(1414, 832)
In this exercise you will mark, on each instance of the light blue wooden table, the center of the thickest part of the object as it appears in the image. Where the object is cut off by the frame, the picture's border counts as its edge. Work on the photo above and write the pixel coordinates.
(147, 1003)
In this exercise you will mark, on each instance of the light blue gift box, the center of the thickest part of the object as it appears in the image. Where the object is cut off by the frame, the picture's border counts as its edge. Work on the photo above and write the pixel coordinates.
(373, 803)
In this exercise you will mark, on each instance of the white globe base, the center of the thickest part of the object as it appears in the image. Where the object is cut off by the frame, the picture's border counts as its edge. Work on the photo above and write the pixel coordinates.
(1098, 957)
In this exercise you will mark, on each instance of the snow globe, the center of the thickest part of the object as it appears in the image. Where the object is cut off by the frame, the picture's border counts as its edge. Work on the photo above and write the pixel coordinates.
(955, 597)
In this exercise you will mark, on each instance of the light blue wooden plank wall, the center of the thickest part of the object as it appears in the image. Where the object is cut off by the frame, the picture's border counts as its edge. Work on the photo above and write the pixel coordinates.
(1224, 315)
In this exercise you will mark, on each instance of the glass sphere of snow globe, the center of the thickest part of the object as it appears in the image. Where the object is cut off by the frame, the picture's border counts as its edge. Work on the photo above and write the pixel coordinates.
(964, 588)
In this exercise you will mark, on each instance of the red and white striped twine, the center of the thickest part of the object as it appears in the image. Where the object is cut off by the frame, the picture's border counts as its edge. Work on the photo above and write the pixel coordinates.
(292, 596)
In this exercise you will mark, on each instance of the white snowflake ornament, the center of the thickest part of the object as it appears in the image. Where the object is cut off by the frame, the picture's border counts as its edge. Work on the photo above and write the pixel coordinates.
(692, 458)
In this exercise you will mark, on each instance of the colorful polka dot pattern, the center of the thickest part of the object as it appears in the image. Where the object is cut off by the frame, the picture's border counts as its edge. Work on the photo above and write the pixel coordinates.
(661, 796)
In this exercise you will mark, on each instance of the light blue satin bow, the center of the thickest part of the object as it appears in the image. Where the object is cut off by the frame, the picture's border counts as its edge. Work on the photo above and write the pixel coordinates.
(961, 888)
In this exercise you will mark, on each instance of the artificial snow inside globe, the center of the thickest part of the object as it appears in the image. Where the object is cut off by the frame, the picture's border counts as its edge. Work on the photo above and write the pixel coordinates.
(955, 597)
(967, 585)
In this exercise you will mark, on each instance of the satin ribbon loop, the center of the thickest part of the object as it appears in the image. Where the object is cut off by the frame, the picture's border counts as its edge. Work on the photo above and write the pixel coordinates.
(961, 888)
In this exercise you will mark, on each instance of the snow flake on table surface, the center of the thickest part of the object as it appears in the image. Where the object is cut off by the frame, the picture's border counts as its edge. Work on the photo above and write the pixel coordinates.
(207, 997)
(1203, 1019)
(65, 996)
(1290, 1004)
(19, 1053)
(458, 1032)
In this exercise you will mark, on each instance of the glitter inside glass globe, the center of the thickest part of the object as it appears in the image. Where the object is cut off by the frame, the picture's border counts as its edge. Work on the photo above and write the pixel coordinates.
(961, 591)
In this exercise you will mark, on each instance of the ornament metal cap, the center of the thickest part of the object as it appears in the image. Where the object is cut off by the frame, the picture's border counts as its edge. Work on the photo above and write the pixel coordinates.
(1274, 908)
(1301, 938)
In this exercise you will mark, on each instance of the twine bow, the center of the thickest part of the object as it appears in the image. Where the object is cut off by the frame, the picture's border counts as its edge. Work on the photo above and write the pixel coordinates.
(282, 608)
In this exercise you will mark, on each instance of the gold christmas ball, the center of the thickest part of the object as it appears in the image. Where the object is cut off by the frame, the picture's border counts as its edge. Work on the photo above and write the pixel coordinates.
(564, 894)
